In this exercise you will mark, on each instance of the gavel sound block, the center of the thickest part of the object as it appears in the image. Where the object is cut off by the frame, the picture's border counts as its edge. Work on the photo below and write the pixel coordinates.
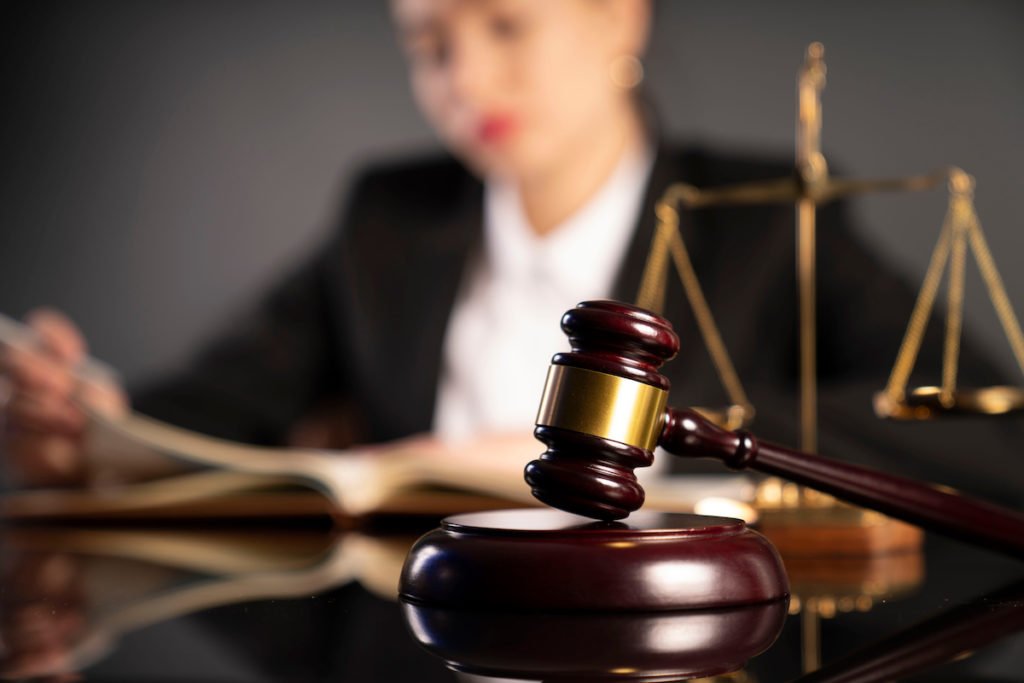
(546, 560)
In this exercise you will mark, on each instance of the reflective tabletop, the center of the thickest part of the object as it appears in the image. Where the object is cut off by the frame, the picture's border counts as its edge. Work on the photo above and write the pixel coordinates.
(298, 603)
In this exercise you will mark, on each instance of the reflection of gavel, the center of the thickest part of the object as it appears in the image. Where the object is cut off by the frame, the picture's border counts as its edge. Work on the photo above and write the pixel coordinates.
(604, 411)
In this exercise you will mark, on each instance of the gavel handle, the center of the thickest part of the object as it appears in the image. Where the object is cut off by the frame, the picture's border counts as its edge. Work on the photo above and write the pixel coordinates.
(686, 433)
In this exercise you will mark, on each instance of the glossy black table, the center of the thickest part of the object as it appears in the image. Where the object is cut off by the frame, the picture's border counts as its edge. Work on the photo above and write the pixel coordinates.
(306, 604)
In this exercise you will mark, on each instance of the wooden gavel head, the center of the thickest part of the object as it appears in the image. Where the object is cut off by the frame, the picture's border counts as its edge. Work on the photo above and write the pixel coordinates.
(603, 410)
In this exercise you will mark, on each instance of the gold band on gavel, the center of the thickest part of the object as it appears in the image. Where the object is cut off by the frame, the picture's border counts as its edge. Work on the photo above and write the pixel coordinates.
(603, 405)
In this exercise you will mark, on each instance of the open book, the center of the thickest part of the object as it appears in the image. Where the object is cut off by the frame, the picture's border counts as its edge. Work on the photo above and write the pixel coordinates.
(141, 468)
(146, 469)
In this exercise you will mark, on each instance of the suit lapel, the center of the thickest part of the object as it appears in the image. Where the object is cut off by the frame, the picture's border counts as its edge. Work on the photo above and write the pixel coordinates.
(420, 318)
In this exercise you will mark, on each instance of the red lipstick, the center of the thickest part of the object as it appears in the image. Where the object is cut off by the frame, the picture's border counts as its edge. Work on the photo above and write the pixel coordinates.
(494, 128)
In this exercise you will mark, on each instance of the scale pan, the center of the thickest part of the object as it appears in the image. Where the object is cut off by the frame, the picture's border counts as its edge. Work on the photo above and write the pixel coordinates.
(925, 403)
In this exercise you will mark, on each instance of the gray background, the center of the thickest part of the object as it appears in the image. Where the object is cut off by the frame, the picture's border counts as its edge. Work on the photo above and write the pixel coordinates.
(162, 161)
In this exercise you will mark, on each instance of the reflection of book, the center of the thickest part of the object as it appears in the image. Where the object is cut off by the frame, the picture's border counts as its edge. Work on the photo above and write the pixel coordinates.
(119, 581)
(174, 473)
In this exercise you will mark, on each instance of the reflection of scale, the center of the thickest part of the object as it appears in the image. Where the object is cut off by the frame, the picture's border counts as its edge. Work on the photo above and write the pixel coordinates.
(811, 186)
(826, 587)
(791, 516)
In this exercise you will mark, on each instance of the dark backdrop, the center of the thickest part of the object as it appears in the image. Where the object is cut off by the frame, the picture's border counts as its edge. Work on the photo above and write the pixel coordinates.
(161, 160)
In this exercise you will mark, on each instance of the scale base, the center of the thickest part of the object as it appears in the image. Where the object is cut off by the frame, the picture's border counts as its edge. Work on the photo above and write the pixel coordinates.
(837, 530)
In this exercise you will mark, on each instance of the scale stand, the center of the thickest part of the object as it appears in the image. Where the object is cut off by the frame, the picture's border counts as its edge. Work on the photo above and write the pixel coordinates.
(786, 504)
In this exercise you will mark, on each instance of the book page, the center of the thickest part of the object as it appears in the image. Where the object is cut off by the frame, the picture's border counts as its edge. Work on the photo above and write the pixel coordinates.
(150, 469)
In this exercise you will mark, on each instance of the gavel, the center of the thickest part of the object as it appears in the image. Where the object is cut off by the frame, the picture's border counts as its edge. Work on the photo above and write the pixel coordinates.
(604, 411)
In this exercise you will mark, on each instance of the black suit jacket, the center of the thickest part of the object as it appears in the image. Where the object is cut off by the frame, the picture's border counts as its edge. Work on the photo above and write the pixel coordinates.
(363, 322)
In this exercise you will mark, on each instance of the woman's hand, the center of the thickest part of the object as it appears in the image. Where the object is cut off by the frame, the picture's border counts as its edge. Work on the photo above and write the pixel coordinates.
(43, 421)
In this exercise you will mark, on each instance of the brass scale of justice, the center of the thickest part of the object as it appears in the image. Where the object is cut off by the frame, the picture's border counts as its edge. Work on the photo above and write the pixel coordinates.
(792, 506)
(810, 187)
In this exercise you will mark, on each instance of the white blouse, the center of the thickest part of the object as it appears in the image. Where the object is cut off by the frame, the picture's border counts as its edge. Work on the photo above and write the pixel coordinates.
(504, 328)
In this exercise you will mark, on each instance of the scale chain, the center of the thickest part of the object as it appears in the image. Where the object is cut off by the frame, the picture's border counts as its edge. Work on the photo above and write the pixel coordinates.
(668, 241)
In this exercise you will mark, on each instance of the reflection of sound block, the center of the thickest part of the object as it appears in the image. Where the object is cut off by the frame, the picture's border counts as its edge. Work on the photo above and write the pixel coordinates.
(837, 529)
(550, 560)
(610, 646)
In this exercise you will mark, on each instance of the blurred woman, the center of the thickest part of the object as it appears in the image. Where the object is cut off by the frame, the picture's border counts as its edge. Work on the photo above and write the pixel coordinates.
(524, 95)
(431, 312)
